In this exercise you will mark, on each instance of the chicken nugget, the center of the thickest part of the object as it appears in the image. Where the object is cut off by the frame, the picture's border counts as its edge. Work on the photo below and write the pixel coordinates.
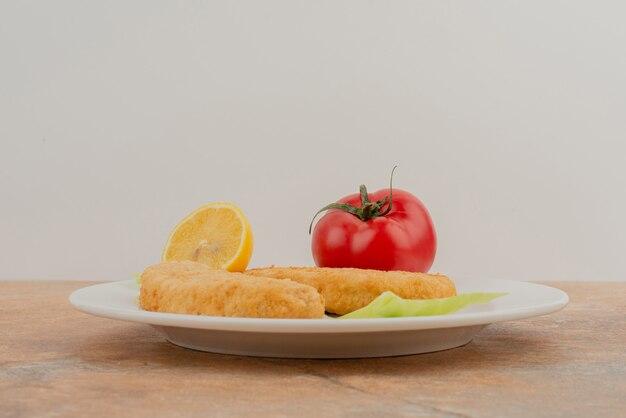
(191, 288)
(347, 289)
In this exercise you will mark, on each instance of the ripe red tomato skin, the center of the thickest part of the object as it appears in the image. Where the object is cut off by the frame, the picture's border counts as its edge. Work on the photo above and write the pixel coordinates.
(404, 239)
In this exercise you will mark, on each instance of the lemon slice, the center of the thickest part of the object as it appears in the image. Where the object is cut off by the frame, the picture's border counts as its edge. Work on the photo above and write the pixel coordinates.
(217, 234)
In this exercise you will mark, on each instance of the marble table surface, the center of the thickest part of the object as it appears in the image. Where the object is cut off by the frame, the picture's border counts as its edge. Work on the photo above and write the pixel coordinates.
(58, 362)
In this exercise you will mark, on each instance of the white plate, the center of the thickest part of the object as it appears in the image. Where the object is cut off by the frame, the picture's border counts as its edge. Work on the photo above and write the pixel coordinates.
(327, 338)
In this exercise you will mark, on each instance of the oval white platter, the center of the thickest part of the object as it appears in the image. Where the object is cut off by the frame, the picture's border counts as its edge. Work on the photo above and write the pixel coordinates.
(329, 337)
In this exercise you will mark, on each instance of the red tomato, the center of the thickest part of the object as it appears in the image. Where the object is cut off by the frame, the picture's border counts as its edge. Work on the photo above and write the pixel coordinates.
(402, 238)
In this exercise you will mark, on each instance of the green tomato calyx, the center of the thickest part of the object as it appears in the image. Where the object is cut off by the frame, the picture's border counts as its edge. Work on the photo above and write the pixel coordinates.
(368, 210)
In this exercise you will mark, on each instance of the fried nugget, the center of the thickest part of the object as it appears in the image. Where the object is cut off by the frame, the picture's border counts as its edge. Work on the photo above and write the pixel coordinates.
(347, 289)
(191, 288)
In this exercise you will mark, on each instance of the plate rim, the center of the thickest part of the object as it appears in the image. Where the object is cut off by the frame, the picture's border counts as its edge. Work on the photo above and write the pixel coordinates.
(307, 326)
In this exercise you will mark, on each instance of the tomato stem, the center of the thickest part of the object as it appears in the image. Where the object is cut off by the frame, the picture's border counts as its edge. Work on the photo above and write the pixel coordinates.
(368, 210)
(365, 199)
(390, 194)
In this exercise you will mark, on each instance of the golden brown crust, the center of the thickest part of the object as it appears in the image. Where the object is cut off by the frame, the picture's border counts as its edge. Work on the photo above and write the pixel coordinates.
(192, 288)
(348, 289)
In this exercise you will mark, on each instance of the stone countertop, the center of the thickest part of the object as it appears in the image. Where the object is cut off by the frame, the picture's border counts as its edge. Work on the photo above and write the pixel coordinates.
(58, 362)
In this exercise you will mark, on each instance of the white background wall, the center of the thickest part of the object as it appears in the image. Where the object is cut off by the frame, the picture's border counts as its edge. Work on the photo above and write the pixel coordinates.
(507, 118)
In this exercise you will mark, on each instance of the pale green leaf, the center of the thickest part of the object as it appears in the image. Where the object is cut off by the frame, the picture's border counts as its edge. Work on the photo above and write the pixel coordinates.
(389, 305)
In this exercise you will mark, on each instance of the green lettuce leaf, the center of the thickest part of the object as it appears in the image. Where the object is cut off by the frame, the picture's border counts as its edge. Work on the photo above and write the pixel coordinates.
(390, 305)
